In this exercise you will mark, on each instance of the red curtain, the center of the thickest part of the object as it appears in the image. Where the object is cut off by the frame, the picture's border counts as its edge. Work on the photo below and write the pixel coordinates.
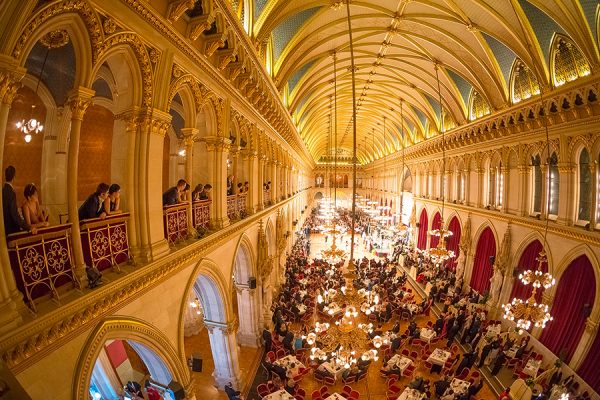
(482, 270)
(453, 242)
(576, 288)
(435, 224)
(422, 239)
(528, 261)
(589, 368)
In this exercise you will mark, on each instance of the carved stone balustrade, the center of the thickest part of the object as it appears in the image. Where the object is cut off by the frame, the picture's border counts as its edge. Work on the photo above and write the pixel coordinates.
(175, 222)
(42, 263)
(105, 242)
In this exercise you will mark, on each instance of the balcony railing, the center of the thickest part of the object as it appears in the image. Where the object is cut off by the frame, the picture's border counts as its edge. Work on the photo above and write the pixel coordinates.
(241, 205)
(267, 197)
(232, 207)
(42, 263)
(175, 222)
(104, 241)
(201, 214)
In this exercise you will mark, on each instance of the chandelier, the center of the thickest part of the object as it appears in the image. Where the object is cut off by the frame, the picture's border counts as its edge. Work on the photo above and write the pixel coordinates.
(528, 313)
(195, 304)
(440, 253)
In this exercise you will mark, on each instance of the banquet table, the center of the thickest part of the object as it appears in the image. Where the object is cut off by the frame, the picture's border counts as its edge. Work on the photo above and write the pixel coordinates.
(439, 357)
(335, 396)
(494, 329)
(401, 362)
(335, 370)
(427, 334)
(411, 394)
(279, 395)
(532, 367)
(301, 308)
(459, 386)
(333, 309)
(287, 361)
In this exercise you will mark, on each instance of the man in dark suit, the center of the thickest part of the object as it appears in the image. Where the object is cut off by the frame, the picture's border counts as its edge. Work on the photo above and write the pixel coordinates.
(93, 206)
(439, 324)
(172, 195)
(232, 394)
(13, 221)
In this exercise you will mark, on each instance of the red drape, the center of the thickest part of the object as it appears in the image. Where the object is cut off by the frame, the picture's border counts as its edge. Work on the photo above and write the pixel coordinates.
(453, 242)
(589, 368)
(435, 224)
(482, 270)
(528, 261)
(576, 288)
(422, 239)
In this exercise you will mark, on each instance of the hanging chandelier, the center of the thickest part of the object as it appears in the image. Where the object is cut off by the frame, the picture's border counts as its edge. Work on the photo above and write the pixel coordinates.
(195, 304)
(528, 313)
(440, 253)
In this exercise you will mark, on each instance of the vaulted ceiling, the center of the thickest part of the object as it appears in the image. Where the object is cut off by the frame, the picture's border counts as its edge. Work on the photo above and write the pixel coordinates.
(397, 45)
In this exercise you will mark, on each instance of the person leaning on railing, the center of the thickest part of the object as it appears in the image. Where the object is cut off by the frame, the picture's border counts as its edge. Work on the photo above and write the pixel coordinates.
(34, 215)
(112, 203)
(93, 206)
(196, 193)
(205, 192)
(173, 195)
(13, 221)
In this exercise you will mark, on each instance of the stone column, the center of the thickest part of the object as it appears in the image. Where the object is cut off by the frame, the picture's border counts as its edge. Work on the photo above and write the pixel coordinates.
(251, 163)
(545, 192)
(467, 186)
(505, 171)
(224, 347)
(260, 198)
(274, 182)
(132, 119)
(11, 300)
(154, 125)
(249, 332)
(217, 148)
(234, 151)
(480, 188)
(594, 194)
(79, 100)
(189, 135)
(585, 343)
(522, 207)
(566, 187)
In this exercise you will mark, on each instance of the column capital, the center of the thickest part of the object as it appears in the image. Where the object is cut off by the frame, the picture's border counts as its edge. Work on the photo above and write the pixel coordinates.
(157, 121)
(10, 78)
(566, 168)
(79, 100)
(189, 136)
(591, 326)
(225, 327)
(217, 143)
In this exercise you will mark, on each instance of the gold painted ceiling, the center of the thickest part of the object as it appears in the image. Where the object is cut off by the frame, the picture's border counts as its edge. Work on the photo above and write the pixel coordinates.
(397, 44)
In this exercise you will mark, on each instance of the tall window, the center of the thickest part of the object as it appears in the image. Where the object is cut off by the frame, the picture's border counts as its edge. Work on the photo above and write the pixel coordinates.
(524, 82)
(536, 175)
(585, 187)
(462, 185)
(569, 62)
(554, 183)
(459, 185)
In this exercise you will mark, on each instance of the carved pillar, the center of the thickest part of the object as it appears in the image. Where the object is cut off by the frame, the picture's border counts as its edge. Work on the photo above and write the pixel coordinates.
(217, 148)
(274, 182)
(79, 100)
(148, 174)
(594, 194)
(522, 208)
(224, 347)
(260, 198)
(189, 135)
(585, 343)
(480, 187)
(11, 300)
(252, 168)
(566, 188)
(467, 186)
(132, 119)
(505, 171)
(248, 310)
(234, 153)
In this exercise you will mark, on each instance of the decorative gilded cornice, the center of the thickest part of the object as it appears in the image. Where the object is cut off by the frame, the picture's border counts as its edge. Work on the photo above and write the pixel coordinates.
(25, 345)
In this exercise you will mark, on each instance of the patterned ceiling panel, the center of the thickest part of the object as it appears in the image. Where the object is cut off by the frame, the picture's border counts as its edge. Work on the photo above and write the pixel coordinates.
(504, 55)
(177, 122)
(299, 74)
(590, 9)
(421, 116)
(463, 86)
(259, 5)
(543, 26)
(285, 31)
(434, 104)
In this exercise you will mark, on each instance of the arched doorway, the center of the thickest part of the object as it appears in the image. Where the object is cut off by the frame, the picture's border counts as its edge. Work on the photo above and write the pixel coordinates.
(528, 261)
(453, 242)
(245, 295)
(435, 224)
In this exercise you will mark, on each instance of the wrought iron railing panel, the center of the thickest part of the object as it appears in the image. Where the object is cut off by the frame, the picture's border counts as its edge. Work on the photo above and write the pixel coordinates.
(175, 221)
(105, 242)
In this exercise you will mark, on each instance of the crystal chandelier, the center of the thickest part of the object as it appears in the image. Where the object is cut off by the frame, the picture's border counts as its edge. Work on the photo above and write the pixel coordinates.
(440, 253)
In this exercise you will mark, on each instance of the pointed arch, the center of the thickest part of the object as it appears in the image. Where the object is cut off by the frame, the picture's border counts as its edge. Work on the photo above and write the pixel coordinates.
(244, 256)
(129, 328)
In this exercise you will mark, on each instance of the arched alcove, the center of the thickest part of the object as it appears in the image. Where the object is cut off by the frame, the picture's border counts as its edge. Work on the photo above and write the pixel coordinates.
(482, 262)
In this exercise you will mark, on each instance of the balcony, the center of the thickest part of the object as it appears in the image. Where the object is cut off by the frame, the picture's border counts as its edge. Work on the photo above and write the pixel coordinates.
(201, 215)
(42, 263)
(175, 222)
(104, 241)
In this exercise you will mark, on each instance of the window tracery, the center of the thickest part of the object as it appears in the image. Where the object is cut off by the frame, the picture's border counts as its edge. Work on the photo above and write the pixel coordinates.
(524, 82)
(479, 106)
(568, 61)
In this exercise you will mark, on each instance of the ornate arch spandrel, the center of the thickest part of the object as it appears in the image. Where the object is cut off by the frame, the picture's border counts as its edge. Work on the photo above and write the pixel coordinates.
(122, 327)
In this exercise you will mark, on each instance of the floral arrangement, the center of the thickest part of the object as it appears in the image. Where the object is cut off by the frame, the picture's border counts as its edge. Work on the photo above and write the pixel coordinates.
(529, 382)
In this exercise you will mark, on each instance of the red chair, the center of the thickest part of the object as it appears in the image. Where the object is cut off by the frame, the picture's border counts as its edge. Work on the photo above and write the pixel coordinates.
(329, 380)
(262, 390)
(394, 391)
(361, 376)
(346, 391)
(414, 355)
(280, 353)
(475, 374)
(271, 387)
(271, 356)
(349, 379)
(354, 395)
(405, 352)
(427, 364)
(392, 380)
(316, 395)
(409, 371)
(463, 374)
(324, 391)
(300, 392)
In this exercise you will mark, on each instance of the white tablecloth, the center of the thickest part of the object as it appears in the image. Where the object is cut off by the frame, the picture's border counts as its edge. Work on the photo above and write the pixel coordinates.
(427, 334)
(494, 329)
(302, 308)
(439, 357)
(279, 395)
(401, 362)
(335, 370)
(411, 394)
(459, 386)
(532, 367)
(335, 396)
(287, 361)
